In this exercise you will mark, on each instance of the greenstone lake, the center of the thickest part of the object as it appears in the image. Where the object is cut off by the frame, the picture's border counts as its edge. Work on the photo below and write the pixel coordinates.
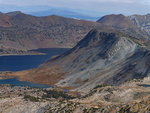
(24, 62)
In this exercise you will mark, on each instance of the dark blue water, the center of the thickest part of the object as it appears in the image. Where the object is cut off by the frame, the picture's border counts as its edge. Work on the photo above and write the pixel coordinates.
(144, 85)
(18, 63)
(16, 82)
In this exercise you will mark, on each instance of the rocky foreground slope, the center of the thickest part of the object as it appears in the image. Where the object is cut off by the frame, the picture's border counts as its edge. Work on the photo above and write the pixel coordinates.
(130, 97)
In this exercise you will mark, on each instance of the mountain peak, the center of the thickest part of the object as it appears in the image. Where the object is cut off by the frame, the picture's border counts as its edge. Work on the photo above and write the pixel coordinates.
(14, 13)
(123, 24)
(94, 37)
(111, 16)
(119, 21)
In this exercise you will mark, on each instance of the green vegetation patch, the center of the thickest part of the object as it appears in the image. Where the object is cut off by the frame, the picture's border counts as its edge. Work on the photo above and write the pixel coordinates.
(31, 98)
(56, 94)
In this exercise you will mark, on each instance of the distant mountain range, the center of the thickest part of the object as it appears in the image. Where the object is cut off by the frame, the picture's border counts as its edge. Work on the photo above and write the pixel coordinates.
(22, 31)
(64, 13)
(47, 11)
(25, 32)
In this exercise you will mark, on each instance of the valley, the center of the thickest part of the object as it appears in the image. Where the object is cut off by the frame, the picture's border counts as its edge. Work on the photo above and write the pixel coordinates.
(93, 67)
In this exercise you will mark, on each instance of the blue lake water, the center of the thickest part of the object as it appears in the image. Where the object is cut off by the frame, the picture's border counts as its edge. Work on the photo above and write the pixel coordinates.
(16, 82)
(18, 63)
(144, 85)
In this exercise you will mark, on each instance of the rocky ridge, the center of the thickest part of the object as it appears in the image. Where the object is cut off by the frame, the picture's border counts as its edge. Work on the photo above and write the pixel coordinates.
(141, 21)
(100, 58)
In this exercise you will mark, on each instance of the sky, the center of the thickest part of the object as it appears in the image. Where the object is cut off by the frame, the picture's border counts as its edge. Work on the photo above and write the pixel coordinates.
(90, 7)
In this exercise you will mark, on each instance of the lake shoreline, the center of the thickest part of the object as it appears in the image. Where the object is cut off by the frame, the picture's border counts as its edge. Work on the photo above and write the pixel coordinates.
(20, 62)
(14, 81)
(22, 54)
(40, 51)
(12, 63)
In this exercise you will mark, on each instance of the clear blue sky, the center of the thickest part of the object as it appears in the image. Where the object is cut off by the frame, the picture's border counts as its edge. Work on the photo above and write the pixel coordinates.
(91, 7)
